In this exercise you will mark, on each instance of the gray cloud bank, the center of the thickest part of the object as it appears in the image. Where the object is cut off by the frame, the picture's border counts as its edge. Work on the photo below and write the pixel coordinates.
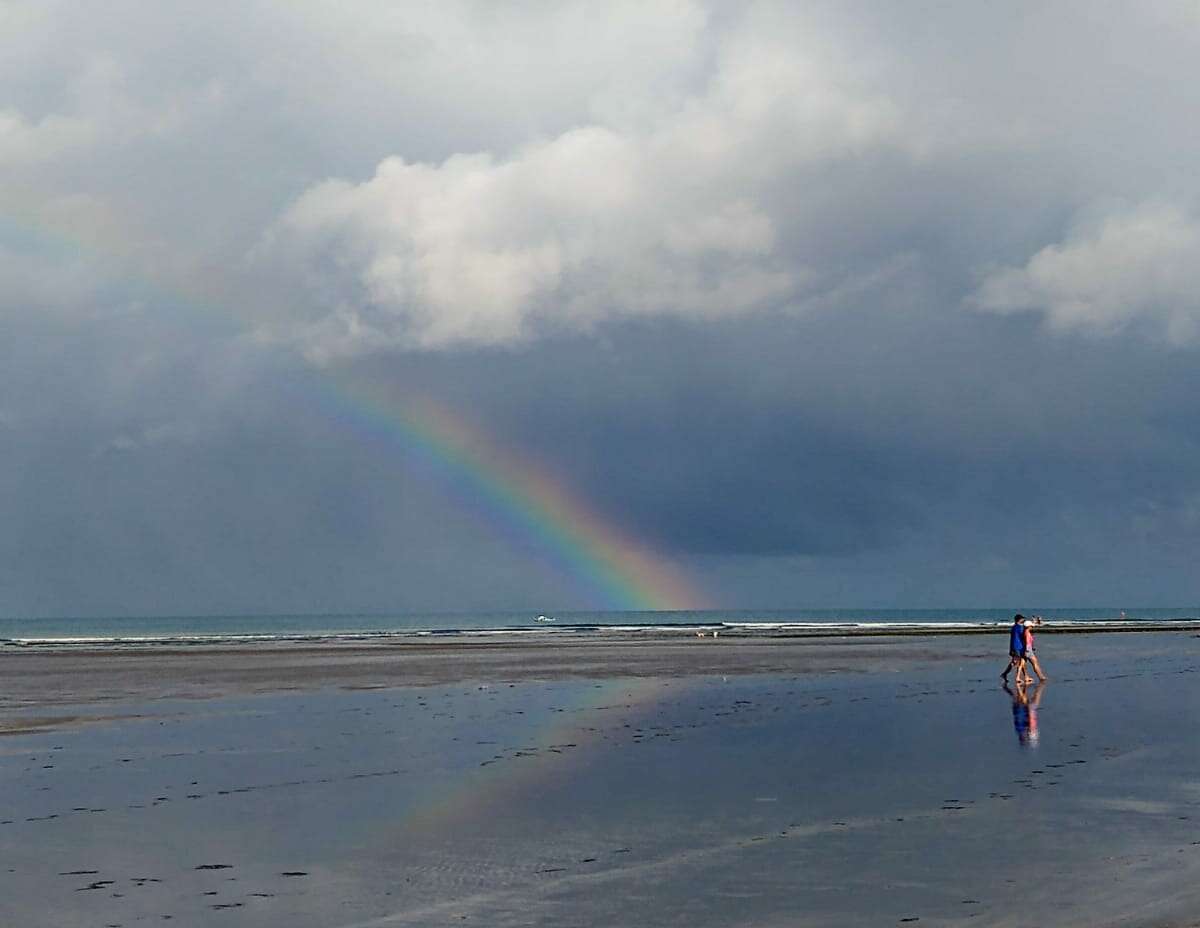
(831, 302)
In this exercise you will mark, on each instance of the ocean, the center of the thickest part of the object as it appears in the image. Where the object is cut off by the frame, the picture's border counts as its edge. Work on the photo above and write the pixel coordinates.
(134, 630)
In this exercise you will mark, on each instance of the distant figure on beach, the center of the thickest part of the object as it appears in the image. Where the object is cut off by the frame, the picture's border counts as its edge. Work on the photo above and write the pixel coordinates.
(1016, 649)
(1025, 713)
(1030, 655)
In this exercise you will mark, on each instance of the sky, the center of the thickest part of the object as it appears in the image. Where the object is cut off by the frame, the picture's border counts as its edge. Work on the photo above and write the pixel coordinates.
(802, 304)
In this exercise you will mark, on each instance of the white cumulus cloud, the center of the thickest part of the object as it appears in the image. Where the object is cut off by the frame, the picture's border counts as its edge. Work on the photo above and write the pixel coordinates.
(679, 214)
(1138, 266)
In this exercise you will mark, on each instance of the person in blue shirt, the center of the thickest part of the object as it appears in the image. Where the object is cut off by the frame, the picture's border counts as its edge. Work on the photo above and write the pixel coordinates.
(1016, 649)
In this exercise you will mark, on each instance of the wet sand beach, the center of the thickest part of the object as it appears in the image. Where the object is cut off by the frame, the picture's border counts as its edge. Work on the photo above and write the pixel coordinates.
(45, 677)
(672, 781)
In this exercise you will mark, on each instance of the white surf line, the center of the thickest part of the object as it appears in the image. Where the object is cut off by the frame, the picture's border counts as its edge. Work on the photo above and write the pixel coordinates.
(751, 629)
(1058, 626)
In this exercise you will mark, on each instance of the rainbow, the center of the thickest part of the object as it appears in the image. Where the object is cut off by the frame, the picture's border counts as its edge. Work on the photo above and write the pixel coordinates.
(522, 499)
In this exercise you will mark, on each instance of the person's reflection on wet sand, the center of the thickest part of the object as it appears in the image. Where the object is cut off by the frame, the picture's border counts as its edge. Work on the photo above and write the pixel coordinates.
(1025, 702)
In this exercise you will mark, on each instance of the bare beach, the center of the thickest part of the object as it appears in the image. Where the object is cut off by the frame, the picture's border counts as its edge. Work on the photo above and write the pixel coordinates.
(667, 781)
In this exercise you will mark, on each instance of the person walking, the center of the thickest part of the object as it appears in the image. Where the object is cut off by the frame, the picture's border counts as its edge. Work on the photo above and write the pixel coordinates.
(1016, 649)
(1030, 655)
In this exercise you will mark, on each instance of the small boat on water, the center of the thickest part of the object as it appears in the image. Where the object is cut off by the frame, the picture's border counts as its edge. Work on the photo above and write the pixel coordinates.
(544, 618)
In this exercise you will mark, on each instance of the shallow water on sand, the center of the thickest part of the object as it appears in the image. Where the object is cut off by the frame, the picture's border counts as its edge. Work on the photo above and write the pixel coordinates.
(848, 798)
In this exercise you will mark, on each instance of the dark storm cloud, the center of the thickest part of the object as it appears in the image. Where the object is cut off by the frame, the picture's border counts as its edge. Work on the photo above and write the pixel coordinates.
(832, 302)
(805, 438)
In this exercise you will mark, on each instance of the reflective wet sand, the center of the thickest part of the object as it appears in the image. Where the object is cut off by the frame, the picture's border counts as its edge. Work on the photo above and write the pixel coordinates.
(683, 783)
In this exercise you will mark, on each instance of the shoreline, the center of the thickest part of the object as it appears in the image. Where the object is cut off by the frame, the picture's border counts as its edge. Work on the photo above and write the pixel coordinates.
(567, 631)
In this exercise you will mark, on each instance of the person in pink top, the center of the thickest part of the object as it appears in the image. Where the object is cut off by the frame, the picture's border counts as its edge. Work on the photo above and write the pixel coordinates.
(1031, 657)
